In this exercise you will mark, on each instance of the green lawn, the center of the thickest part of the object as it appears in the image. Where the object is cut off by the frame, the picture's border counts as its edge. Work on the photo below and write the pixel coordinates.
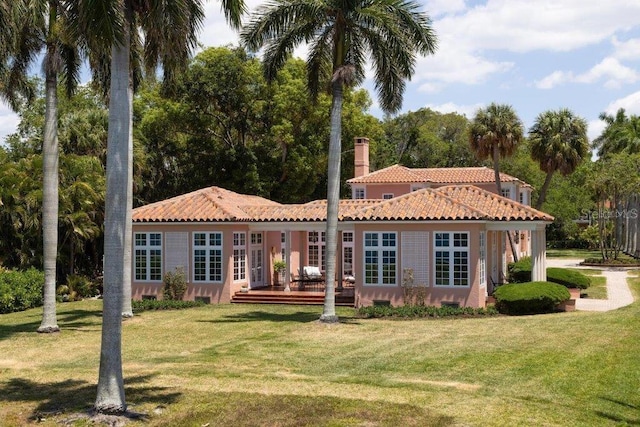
(244, 365)
(573, 253)
(598, 288)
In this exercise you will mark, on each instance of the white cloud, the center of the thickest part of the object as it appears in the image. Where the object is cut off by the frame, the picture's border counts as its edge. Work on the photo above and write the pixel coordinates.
(467, 110)
(631, 103)
(8, 122)
(554, 79)
(609, 69)
(594, 129)
(612, 71)
(626, 50)
(525, 25)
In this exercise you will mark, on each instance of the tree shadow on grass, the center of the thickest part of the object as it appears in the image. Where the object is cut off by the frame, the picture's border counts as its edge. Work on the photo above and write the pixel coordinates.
(265, 316)
(633, 420)
(72, 319)
(292, 410)
(78, 396)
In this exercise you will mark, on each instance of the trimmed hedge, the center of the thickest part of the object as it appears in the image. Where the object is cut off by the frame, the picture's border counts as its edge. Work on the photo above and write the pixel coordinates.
(412, 311)
(163, 304)
(20, 290)
(520, 272)
(530, 297)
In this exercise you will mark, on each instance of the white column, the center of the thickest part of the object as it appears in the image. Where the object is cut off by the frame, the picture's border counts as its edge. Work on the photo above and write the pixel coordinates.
(539, 254)
(287, 254)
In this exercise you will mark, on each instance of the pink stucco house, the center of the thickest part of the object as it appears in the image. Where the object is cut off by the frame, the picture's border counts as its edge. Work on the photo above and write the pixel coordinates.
(446, 226)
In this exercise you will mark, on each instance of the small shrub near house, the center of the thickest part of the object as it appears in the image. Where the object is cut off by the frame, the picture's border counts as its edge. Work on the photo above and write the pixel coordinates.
(530, 297)
(77, 287)
(175, 284)
(20, 290)
(520, 272)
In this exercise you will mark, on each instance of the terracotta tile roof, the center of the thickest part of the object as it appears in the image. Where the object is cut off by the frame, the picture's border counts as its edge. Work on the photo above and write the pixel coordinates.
(496, 207)
(453, 202)
(312, 211)
(207, 204)
(397, 174)
(425, 204)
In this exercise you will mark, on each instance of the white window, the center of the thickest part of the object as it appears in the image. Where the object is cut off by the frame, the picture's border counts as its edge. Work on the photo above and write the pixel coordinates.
(521, 197)
(483, 259)
(451, 259)
(506, 192)
(380, 258)
(316, 249)
(283, 246)
(387, 196)
(239, 256)
(207, 257)
(359, 193)
(347, 253)
(148, 257)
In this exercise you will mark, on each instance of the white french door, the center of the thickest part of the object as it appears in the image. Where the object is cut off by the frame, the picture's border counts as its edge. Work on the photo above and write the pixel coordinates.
(257, 261)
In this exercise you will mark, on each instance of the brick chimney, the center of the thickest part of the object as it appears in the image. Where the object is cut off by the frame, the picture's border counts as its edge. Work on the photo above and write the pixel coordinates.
(361, 160)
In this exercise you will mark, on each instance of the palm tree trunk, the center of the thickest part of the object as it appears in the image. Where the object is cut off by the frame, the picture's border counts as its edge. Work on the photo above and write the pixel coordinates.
(127, 309)
(543, 190)
(333, 200)
(496, 171)
(50, 201)
(110, 395)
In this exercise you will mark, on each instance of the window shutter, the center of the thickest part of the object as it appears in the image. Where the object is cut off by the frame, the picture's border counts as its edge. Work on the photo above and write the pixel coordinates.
(415, 255)
(177, 252)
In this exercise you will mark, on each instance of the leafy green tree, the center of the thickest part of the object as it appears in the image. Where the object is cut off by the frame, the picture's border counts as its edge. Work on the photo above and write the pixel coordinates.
(621, 134)
(340, 36)
(427, 138)
(494, 133)
(558, 142)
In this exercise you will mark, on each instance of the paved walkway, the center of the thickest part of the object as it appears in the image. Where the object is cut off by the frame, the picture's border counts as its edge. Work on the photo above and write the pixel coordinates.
(618, 292)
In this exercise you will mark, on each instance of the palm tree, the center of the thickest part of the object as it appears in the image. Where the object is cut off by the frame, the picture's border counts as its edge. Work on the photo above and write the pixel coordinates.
(44, 25)
(494, 133)
(169, 30)
(559, 142)
(341, 36)
(621, 134)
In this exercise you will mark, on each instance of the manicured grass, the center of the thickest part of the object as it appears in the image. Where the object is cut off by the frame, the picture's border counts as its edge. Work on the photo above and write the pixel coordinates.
(572, 253)
(247, 365)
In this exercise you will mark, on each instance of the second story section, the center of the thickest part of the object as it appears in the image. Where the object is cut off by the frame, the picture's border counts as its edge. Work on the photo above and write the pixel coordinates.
(396, 180)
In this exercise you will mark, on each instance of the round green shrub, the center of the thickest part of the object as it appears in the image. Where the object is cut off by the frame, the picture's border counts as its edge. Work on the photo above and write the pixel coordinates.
(530, 297)
(520, 272)
(20, 290)
(568, 278)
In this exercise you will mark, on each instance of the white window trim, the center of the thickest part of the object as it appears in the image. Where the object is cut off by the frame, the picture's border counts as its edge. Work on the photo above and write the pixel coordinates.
(358, 189)
(147, 248)
(207, 248)
(240, 275)
(379, 248)
(348, 244)
(321, 244)
(451, 249)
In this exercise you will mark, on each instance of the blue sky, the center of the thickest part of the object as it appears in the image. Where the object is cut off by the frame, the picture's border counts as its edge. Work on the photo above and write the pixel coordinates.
(535, 55)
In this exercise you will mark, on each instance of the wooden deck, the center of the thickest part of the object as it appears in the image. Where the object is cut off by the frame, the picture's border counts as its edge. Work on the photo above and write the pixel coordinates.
(277, 295)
